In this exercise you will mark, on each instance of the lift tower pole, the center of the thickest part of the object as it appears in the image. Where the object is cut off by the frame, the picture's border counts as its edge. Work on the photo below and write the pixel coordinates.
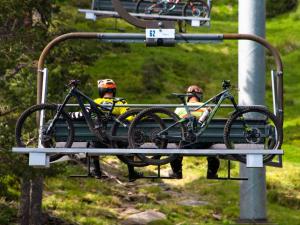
(251, 68)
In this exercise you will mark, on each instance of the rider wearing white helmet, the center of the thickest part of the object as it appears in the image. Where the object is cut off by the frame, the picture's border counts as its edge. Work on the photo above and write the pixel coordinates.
(201, 115)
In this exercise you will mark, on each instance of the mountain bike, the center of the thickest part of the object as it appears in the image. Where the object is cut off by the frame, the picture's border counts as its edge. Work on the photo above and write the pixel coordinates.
(52, 118)
(248, 127)
(196, 8)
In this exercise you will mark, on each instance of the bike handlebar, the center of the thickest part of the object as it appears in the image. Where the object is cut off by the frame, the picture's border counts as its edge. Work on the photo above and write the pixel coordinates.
(73, 83)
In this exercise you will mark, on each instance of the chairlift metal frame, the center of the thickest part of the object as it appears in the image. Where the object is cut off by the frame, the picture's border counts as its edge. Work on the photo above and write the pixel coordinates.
(277, 77)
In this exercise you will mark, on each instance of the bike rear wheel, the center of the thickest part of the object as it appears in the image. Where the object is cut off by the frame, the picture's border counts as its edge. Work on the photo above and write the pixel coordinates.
(196, 8)
(27, 132)
(253, 128)
(145, 132)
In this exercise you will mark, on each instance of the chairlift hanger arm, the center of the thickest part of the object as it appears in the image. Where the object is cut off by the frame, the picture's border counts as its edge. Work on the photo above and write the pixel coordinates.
(278, 62)
(139, 37)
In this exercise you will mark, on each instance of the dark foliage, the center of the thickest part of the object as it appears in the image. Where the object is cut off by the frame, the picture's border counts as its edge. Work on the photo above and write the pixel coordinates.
(277, 7)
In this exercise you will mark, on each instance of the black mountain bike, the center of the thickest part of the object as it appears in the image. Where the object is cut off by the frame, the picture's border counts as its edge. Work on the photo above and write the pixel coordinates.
(52, 118)
(248, 127)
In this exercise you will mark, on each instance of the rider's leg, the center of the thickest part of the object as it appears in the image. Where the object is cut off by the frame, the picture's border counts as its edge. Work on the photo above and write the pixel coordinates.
(97, 169)
(213, 164)
(132, 174)
(176, 166)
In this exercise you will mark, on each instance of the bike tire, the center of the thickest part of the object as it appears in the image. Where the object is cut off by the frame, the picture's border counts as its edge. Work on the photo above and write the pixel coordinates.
(185, 11)
(26, 125)
(130, 159)
(160, 143)
(253, 133)
(138, 6)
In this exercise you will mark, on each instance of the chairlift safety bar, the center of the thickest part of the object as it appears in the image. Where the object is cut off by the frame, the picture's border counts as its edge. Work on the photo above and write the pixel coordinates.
(38, 156)
(119, 151)
(159, 105)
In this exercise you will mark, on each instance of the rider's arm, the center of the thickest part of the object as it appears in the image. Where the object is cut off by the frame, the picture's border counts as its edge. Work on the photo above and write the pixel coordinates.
(181, 112)
(122, 110)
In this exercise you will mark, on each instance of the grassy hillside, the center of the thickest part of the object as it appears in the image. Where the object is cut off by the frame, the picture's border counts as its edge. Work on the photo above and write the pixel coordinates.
(154, 73)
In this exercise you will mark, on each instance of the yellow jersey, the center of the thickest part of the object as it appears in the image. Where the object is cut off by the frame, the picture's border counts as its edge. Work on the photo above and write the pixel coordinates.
(181, 112)
(117, 110)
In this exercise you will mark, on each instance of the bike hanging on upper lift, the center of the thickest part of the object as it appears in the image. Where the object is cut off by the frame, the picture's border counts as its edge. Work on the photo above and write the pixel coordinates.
(192, 8)
(196, 8)
(193, 12)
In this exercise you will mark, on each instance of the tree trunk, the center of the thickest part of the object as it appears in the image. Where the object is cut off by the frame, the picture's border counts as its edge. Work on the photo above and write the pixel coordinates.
(36, 200)
(24, 208)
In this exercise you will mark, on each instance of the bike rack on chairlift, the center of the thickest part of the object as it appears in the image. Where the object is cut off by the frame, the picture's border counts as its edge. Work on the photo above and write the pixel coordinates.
(40, 156)
(121, 13)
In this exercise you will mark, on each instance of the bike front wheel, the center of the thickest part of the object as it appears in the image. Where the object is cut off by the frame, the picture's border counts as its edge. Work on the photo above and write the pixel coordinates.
(28, 135)
(253, 128)
(149, 130)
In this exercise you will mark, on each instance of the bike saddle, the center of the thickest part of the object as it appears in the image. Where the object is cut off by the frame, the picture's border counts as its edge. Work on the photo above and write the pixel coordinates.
(180, 95)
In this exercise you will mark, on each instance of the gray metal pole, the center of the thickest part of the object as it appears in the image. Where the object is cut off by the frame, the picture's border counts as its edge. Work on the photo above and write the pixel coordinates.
(252, 92)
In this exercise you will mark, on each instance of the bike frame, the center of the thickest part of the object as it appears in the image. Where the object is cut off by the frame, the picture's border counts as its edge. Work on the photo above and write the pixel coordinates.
(164, 3)
(74, 92)
(220, 97)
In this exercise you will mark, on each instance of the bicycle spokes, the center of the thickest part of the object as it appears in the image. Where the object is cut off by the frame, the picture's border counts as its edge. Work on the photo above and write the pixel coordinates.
(253, 128)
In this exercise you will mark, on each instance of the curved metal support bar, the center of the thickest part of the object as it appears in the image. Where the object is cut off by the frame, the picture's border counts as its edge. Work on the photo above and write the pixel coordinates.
(118, 37)
(49, 46)
(126, 16)
(135, 37)
(278, 62)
